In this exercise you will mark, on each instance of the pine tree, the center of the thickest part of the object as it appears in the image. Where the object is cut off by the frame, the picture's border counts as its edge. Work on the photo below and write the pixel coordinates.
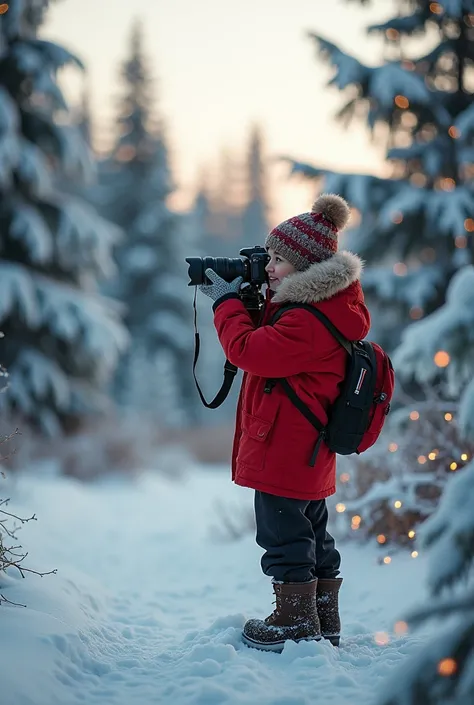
(415, 233)
(62, 339)
(255, 224)
(151, 281)
(416, 227)
(442, 669)
(428, 439)
(84, 118)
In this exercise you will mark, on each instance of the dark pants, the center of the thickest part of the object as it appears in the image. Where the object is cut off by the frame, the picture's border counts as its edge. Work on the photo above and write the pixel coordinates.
(293, 534)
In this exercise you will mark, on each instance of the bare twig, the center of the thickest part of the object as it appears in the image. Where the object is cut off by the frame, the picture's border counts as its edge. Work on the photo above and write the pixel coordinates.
(14, 516)
(9, 602)
(9, 557)
(6, 530)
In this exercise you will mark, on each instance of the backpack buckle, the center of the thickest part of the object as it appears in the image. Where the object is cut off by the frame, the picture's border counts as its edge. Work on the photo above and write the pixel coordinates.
(269, 384)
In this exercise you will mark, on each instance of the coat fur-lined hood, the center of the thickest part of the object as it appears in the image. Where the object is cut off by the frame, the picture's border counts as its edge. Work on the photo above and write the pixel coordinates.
(321, 281)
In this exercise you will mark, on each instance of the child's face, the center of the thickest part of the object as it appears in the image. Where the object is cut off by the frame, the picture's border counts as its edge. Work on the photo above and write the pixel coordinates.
(278, 268)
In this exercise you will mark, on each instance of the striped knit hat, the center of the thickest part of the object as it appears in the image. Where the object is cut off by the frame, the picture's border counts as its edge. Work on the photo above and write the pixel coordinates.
(311, 237)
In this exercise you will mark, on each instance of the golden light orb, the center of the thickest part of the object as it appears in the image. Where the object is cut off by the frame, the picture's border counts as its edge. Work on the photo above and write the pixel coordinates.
(400, 627)
(442, 358)
(401, 101)
(381, 638)
(446, 667)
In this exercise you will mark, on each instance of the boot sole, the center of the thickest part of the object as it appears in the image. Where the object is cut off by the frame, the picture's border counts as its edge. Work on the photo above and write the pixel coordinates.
(333, 638)
(276, 646)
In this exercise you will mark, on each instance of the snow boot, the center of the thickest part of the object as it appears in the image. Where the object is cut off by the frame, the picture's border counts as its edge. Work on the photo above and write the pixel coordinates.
(295, 617)
(327, 604)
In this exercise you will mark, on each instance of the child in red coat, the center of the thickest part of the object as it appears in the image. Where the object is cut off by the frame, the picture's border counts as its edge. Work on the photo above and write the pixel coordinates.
(273, 440)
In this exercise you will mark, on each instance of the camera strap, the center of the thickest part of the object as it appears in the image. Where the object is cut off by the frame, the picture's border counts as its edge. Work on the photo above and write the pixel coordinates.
(230, 370)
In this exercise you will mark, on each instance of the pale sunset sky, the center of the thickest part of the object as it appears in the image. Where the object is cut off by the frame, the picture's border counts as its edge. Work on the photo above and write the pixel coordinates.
(221, 67)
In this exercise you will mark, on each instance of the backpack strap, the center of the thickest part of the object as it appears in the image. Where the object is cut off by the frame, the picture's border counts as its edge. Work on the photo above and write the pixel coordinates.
(342, 340)
(308, 414)
(290, 392)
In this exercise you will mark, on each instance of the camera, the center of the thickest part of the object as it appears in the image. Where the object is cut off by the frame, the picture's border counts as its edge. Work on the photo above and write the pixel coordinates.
(250, 266)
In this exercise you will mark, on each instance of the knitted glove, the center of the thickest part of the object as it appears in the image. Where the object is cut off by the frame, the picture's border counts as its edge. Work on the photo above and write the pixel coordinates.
(219, 287)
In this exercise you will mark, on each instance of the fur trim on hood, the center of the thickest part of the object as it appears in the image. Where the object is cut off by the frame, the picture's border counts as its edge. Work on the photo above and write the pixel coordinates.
(320, 281)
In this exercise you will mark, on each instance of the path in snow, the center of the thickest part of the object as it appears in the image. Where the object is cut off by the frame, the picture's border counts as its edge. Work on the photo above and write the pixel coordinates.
(147, 608)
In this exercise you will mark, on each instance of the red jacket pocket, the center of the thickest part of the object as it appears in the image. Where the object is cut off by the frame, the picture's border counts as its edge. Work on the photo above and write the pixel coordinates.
(253, 443)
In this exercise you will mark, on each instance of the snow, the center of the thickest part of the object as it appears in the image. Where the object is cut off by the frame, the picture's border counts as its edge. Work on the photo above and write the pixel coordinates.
(149, 602)
(466, 411)
(450, 329)
(451, 530)
(448, 210)
(55, 54)
(414, 288)
(32, 168)
(17, 293)
(29, 227)
(84, 239)
(36, 377)
(9, 147)
(86, 320)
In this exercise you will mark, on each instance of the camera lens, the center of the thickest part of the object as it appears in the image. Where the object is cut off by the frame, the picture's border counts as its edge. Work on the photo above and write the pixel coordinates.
(228, 268)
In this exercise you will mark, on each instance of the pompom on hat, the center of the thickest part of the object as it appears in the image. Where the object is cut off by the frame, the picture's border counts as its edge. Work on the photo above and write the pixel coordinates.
(311, 237)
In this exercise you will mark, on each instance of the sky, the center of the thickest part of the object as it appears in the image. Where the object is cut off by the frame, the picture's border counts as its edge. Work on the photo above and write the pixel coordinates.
(221, 67)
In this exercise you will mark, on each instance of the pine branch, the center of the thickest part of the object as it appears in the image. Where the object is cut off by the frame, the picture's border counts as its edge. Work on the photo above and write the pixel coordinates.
(444, 608)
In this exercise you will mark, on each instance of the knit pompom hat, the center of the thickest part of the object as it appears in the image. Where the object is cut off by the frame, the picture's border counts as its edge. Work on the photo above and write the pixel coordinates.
(311, 237)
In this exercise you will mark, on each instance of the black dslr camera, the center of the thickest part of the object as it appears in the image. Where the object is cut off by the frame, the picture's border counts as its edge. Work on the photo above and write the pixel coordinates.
(250, 266)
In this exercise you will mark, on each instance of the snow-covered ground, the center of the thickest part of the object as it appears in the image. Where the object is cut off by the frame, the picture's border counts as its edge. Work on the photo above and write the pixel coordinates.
(148, 605)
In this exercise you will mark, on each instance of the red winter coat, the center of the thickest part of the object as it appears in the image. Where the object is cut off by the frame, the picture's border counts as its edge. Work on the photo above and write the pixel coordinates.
(273, 441)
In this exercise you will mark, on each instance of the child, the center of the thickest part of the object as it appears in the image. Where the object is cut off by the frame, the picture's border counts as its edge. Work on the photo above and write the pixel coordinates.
(273, 440)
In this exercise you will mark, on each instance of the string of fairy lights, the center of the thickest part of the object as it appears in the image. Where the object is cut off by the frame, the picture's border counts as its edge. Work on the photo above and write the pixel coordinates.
(397, 504)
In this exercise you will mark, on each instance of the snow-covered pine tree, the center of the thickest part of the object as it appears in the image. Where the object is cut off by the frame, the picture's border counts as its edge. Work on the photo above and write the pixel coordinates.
(439, 350)
(151, 281)
(415, 233)
(83, 118)
(62, 339)
(442, 670)
(429, 439)
(254, 218)
(416, 227)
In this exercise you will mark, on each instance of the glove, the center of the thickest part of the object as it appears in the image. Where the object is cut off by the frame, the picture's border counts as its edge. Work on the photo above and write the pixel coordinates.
(219, 286)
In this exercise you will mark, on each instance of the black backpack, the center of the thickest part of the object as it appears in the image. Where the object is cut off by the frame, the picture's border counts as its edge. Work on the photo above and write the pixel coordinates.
(358, 414)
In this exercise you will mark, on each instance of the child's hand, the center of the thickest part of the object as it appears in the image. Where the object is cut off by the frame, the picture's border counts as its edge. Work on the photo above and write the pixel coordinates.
(219, 287)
